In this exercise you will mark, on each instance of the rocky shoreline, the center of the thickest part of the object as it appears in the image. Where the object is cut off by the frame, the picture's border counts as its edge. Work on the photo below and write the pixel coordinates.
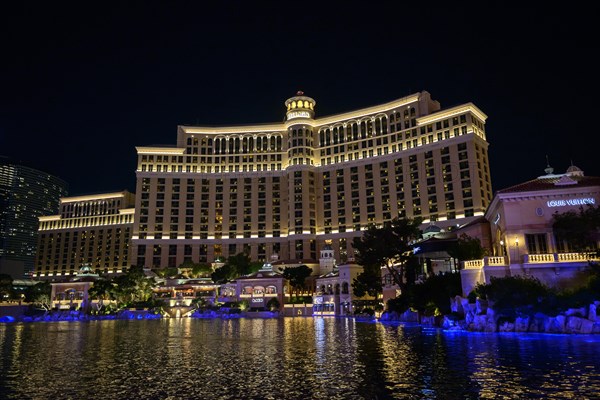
(481, 317)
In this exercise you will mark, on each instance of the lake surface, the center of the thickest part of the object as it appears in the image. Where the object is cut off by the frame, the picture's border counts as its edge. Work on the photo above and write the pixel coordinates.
(288, 358)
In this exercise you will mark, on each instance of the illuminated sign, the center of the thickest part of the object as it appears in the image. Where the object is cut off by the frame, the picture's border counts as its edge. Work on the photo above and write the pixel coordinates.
(571, 202)
(298, 114)
(257, 300)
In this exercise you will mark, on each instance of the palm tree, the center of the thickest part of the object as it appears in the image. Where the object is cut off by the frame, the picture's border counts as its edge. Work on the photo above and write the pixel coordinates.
(101, 290)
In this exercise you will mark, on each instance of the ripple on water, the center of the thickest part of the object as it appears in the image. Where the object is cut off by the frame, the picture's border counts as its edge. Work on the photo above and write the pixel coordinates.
(288, 358)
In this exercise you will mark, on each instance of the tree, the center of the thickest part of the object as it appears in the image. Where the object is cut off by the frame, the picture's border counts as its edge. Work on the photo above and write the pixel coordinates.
(195, 270)
(467, 248)
(297, 276)
(39, 295)
(236, 266)
(223, 274)
(581, 230)
(368, 282)
(169, 272)
(242, 265)
(133, 286)
(389, 247)
(432, 297)
(201, 270)
(273, 304)
(101, 290)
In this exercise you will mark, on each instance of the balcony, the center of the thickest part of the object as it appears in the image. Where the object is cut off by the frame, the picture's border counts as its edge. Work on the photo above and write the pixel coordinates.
(548, 258)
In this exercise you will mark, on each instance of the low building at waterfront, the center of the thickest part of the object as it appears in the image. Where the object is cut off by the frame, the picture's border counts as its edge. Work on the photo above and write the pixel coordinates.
(523, 241)
(334, 294)
(72, 293)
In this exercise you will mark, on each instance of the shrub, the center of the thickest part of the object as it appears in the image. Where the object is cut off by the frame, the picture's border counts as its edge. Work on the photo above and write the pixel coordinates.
(472, 297)
(512, 292)
(399, 304)
(273, 304)
(369, 311)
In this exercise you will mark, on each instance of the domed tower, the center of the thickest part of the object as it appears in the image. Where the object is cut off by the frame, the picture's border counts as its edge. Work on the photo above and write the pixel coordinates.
(302, 226)
(327, 261)
(299, 120)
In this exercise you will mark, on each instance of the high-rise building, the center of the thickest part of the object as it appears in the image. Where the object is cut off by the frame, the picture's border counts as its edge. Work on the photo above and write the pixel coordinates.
(93, 230)
(286, 188)
(25, 195)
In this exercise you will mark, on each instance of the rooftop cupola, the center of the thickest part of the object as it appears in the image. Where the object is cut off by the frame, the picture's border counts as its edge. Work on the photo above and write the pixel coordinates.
(300, 106)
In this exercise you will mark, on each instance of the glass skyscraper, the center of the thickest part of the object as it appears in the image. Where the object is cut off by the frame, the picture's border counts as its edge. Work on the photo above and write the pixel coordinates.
(25, 195)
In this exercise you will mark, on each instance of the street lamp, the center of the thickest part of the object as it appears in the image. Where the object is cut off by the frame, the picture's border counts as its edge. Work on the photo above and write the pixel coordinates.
(517, 248)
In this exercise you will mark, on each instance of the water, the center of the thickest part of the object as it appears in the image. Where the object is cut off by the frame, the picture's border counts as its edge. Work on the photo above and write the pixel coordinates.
(290, 358)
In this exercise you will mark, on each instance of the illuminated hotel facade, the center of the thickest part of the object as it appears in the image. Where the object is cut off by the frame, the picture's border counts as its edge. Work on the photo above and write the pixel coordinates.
(291, 188)
(90, 230)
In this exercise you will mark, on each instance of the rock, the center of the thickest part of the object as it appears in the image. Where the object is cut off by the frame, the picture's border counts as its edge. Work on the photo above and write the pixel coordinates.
(522, 324)
(478, 324)
(578, 312)
(555, 324)
(428, 320)
(409, 316)
(481, 306)
(506, 327)
(466, 305)
(592, 314)
(450, 322)
(578, 325)
(456, 305)
(491, 325)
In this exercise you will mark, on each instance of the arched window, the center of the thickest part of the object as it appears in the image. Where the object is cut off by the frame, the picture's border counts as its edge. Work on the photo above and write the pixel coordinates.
(271, 289)
(345, 288)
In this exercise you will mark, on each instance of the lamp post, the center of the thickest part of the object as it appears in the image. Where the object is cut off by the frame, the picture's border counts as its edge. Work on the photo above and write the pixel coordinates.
(517, 249)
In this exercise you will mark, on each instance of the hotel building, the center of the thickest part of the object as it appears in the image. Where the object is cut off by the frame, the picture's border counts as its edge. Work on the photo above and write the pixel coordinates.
(90, 230)
(25, 195)
(286, 188)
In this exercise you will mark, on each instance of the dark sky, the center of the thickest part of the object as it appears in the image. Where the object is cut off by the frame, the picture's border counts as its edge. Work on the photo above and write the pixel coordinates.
(83, 83)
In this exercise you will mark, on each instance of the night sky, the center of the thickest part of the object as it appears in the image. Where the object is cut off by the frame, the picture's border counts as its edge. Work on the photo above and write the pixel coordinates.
(83, 83)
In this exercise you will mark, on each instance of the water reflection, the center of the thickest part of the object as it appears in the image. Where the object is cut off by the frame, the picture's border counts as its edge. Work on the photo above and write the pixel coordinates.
(291, 358)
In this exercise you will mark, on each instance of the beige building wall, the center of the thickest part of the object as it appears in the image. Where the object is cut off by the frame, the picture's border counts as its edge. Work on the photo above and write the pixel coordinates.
(94, 230)
(287, 188)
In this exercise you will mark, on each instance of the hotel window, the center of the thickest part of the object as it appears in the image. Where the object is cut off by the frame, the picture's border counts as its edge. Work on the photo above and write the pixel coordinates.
(536, 243)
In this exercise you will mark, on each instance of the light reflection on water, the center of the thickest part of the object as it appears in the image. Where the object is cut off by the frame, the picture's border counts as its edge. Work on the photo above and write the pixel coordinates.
(291, 358)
